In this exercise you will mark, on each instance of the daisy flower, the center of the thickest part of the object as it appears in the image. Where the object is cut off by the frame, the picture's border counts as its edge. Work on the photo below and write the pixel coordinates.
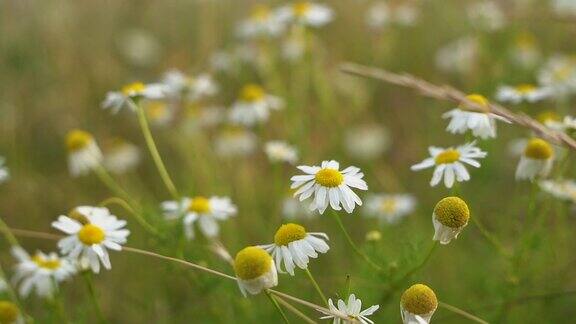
(292, 208)
(198, 116)
(41, 272)
(306, 13)
(83, 152)
(562, 189)
(520, 93)
(206, 211)
(4, 172)
(116, 100)
(417, 304)
(536, 160)
(486, 15)
(263, 22)
(559, 75)
(178, 85)
(279, 151)
(10, 313)
(294, 246)
(366, 142)
(253, 106)
(389, 208)
(235, 141)
(329, 186)
(255, 270)
(551, 119)
(160, 113)
(525, 52)
(382, 14)
(482, 124)
(140, 47)
(352, 311)
(120, 156)
(449, 163)
(91, 232)
(459, 56)
(450, 216)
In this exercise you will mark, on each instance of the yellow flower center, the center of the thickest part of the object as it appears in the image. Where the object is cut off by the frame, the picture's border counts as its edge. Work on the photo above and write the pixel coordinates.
(525, 88)
(9, 312)
(301, 8)
(452, 212)
(91, 234)
(46, 264)
(77, 140)
(133, 89)
(389, 205)
(252, 262)
(261, 13)
(538, 149)
(329, 178)
(447, 157)
(288, 233)
(478, 100)
(252, 93)
(419, 299)
(548, 116)
(200, 205)
(373, 236)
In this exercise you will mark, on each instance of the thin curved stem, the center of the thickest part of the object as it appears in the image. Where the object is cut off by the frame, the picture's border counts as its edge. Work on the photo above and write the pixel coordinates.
(462, 313)
(316, 286)
(491, 238)
(122, 203)
(295, 311)
(94, 297)
(277, 306)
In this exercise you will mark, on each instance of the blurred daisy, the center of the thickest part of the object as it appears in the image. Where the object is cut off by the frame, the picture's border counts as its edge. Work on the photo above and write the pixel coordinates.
(4, 172)
(263, 22)
(83, 152)
(116, 100)
(279, 151)
(373, 236)
(382, 14)
(482, 124)
(329, 186)
(120, 156)
(564, 7)
(222, 61)
(450, 216)
(159, 113)
(450, 163)
(459, 56)
(562, 189)
(569, 123)
(10, 313)
(198, 116)
(389, 208)
(294, 46)
(91, 232)
(292, 208)
(525, 52)
(306, 13)
(351, 310)
(536, 161)
(417, 305)
(178, 85)
(550, 119)
(520, 93)
(206, 211)
(235, 141)
(559, 75)
(255, 270)
(486, 15)
(294, 246)
(253, 106)
(41, 272)
(366, 142)
(139, 47)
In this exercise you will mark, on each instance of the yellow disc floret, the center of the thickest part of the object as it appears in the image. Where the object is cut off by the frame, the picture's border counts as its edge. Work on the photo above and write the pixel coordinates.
(525, 88)
(329, 178)
(77, 140)
(288, 233)
(419, 299)
(9, 312)
(252, 93)
(91, 234)
(133, 89)
(447, 157)
(389, 205)
(301, 8)
(199, 205)
(548, 116)
(42, 262)
(251, 263)
(538, 149)
(478, 100)
(452, 212)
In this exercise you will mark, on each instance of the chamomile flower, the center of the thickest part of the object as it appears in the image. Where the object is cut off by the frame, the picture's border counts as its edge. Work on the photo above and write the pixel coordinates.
(116, 100)
(521, 93)
(253, 106)
(450, 163)
(330, 186)
(417, 305)
(198, 116)
(40, 272)
(450, 216)
(559, 75)
(10, 313)
(139, 47)
(178, 85)
(307, 13)
(486, 15)
(389, 208)
(91, 232)
(569, 122)
(366, 142)
(255, 270)
(4, 172)
(206, 211)
(279, 151)
(562, 189)
(349, 312)
(382, 14)
(83, 152)
(120, 156)
(536, 160)
(159, 113)
(293, 246)
(459, 56)
(235, 141)
(292, 208)
(550, 119)
(524, 51)
(263, 22)
(482, 124)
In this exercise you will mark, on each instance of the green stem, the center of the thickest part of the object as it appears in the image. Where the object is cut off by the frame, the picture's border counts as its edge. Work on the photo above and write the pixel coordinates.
(295, 310)
(462, 313)
(93, 297)
(154, 151)
(7, 234)
(139, 218)
(316, 286)
(490, 238)
(56, 303)
(277, 306)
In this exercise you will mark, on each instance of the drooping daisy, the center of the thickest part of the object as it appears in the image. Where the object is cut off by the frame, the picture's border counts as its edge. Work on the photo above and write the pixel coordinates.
(292, 208)
(366, 142)
(562, 189)
(450, 163)
(520, 93)
(307, 13)
(178, 85)
(116, 100)
(41, 272)
(417, 305)
(120, 156)
(389, 208)
(255, 270)
(294, 246)
(263, 22)
(253, 106)
(536, 161)
(206, 211)
(91, 232)
(10, 313)
(352, 311)
(4, 172)
(235, 141)
(329, 186)
(450, 216)
(83, 152)
(279, 151)
(482, 124)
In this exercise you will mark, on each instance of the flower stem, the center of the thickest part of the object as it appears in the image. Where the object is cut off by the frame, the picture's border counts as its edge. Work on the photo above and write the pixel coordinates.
(491, 238)
(295, 310)
(122, 203)
(275, 303)
(316, 286)
(93, 296)
(461, 312)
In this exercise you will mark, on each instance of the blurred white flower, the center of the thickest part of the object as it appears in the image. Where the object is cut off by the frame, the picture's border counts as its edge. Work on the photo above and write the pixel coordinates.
(559, 75)
(366, 142)
(235, 141)
(116, 100)
(382, 14)
(222, 61)
(159, 113)
(263, 22)
(83, 152)
(306, 13)
(562, 189)
(120, 156)
(178, 85)
(4, 172)
(486, 15)
(564, 7)
(482, 124)
(521, 93)
(279, 151)
(459, 56)
(294, 47)
(255, 270)
(389, 208)
(536, 160)
(139, 47)
(198, 116)
(352, 310)
(525, 52)
(253, 106)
